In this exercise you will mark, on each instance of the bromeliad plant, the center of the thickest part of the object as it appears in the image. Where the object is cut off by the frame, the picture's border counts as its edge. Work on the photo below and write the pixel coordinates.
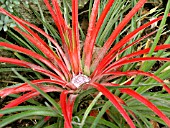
(75, 72)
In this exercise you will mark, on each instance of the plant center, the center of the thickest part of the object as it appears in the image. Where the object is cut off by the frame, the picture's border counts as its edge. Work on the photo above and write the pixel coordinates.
(79, 80)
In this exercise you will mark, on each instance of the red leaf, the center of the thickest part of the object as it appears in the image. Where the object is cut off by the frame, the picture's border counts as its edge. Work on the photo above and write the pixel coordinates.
(57, 17)
(131, 73)
(63, 102)
(65, 32)
(50, 55)
(147, 103)
(90, 30)
(35, 55)
(114, 101)
(111, 55)
(88, 53)
(140, 59)
(76, 41)
(29, 95)
(70, 105)
(145, 51)
(26, 87)
(29, 65)
(140, 52)
(22, 22)
(135, 42)
(115, 33)
(38, 41)
(58, 13)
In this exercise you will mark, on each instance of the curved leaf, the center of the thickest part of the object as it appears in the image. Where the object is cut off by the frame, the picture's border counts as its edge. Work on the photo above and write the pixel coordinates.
(147, 103)
(114, 101)
(131, 73)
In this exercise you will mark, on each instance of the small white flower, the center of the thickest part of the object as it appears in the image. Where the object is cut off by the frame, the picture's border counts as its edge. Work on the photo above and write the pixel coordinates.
(79, 80)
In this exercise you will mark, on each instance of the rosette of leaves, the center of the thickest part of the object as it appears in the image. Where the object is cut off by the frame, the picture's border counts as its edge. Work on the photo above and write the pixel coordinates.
(113, 75)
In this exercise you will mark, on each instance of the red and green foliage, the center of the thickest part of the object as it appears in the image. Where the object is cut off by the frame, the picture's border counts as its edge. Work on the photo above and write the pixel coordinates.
(75, 72)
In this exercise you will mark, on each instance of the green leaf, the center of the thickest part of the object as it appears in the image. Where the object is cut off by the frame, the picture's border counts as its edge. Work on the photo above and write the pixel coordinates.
(12, 25)
(86, 113)
(15, 117)
(1, 28)
(6, 19)
(1, 23)
(5, 28)
(16, 2)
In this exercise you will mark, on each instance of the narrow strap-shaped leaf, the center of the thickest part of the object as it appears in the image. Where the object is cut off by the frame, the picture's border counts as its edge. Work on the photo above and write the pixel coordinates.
(89, 110)
(75, 36)
(91, 24)
(40, 31)
(51, 56)
(145, 51)
(57, 17)
(24, 108)
(65, 32)
(111, 55)
(139, 59)
(47, 52)
(140, 52)
(38, 44)
(101, 66)
(40, 41)
(158, 34)
(70, 104)
(118, 29)
(110, 84)
(35, 55)
(91, 42)
(44, 94)
(90, 30)
(147, 103)
(29, 65)
(63, 102)
(29, 95)
(129, 37)
(114, 101)
(25, 86)
(114, 34)
(58, 13)
(135, 42)
(131, 73)
(66, 35)
(15, 117)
